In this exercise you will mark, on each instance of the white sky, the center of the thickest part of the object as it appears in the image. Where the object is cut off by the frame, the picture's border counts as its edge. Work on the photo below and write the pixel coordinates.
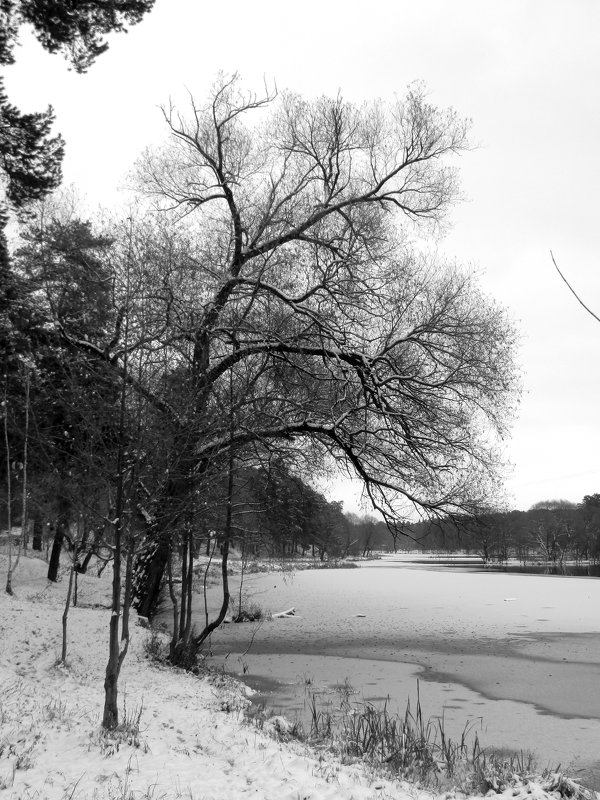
(526, 71)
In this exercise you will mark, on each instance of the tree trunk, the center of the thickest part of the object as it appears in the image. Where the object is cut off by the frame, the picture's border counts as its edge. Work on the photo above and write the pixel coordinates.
(110, 717)
(127, 594)
(188, 617)
(174, 601)
(226, 597)
(62, 524)
(63, 656)
(38, 532)
(24, 507)
(184, 582)
(210, 558)
(9, 589)
(198, 640)
(152, 569)
(82, 566)
(118, 650)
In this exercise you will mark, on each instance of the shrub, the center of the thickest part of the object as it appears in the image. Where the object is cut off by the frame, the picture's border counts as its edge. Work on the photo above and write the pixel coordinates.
(128, 732)
(249, 612)
(155, 647)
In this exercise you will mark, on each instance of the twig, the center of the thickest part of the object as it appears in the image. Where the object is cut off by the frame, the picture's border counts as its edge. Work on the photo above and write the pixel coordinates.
(256, 630)
(573, 292)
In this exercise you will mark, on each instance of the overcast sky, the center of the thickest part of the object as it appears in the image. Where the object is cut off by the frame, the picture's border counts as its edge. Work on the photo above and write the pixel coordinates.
(528, 74)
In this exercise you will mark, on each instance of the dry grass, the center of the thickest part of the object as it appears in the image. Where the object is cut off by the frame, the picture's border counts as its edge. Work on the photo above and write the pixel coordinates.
(412, 748)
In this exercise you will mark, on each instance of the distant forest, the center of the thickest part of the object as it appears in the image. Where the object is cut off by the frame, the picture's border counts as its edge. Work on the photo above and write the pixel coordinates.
(554, 531)
(278, 515)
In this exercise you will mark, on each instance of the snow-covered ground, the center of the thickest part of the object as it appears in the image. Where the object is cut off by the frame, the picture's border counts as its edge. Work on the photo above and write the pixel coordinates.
(193, 741)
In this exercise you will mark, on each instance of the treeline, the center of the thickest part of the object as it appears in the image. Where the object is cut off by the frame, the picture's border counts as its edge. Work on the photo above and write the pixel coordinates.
(553, 531)
(102, 417)
(278, 515)
(84, 447)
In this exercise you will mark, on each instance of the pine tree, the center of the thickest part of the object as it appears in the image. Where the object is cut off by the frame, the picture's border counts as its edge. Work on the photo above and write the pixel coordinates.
(73, 27)
(29, 156)
(69, 291)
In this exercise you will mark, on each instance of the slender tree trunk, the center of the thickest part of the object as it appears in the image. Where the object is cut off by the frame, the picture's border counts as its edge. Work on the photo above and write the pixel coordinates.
(174, 601)
(9, 589)
(182, 629)
(127, 594)
(65, 616)
(38, 532)
(118, 650)
(184, 582)
(210, 555)
(224, 554)
(190, 586)
(110, 717)
(24, 520)
(62, 523)
(83, 540)
(82, 566)
(226, 594)
(243, 570)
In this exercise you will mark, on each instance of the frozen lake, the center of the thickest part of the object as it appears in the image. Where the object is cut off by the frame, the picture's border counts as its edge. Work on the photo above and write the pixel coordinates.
(518, 655)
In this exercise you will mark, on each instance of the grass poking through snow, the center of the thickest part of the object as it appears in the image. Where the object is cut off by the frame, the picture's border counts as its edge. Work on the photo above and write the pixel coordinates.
(410, 747)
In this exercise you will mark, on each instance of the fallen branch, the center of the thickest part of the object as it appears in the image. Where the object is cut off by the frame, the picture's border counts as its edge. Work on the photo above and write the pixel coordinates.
(289, 613)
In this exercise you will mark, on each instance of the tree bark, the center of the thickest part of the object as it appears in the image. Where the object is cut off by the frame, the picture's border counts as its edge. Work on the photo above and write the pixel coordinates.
(226, 597)
(174, 601)
(65, 616)
(118, 650)
(62, 523)
(9, 589)
(184, 583)
(190, 586)
(127, 594)
(38, 533)
(198, 640)
(148, 593)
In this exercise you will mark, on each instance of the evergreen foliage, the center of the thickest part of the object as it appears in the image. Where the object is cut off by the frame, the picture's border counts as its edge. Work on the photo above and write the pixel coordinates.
(30, 157)
(74, 27)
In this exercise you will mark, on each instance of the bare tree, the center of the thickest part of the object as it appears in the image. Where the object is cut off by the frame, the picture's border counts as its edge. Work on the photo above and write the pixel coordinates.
(376, 356)
(283, 310)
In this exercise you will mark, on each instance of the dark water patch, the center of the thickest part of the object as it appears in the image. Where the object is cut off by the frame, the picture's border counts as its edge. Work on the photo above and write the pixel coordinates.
(477, 565)
(564, 570)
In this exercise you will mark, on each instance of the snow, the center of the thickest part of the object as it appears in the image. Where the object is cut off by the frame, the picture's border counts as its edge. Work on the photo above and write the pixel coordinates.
(193, 741)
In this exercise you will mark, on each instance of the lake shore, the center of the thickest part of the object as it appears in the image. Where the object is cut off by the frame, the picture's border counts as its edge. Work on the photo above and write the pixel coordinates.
(489, 645)
(191, 738)
(185, 736)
